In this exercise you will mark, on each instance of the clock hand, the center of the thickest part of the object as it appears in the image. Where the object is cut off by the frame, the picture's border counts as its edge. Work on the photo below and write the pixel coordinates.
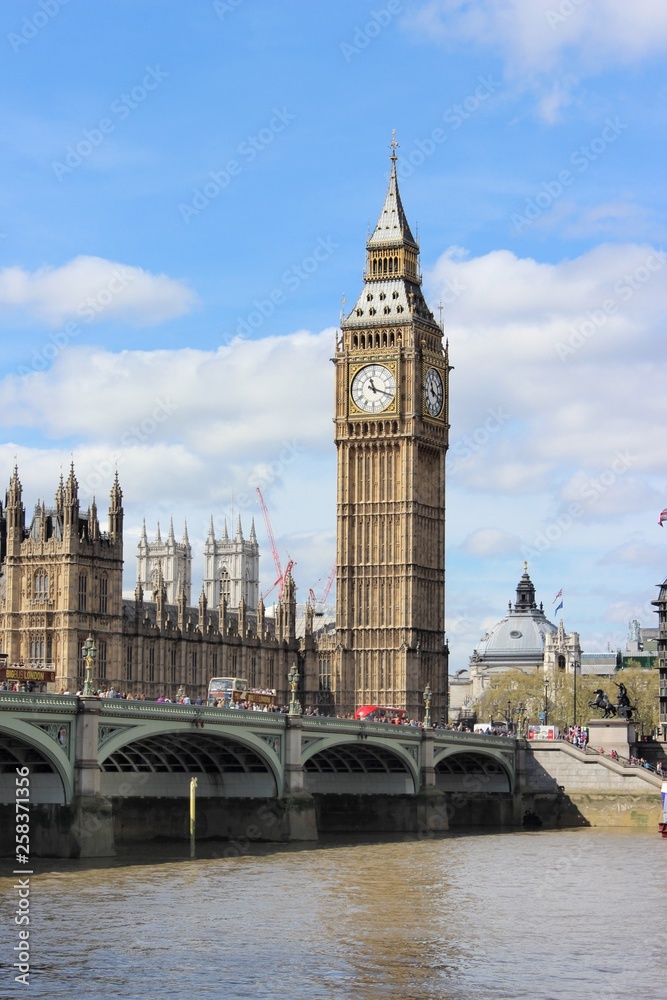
(372, 385)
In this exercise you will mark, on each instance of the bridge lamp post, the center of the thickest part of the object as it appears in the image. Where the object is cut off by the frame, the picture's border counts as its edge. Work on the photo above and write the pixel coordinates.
(546, 701)
(575, 666)
(89, 654)
(293, 678)
(520, 718)
(427, 707)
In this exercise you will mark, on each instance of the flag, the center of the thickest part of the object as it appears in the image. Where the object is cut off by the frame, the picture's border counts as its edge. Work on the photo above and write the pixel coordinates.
(663, 517)
(558, 608)
(559, 594)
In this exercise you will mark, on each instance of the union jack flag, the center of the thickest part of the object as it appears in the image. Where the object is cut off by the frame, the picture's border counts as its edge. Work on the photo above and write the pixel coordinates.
(663, 517)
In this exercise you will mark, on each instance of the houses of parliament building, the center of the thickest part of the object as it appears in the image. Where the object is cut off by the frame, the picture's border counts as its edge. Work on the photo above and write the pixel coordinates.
(61, 572)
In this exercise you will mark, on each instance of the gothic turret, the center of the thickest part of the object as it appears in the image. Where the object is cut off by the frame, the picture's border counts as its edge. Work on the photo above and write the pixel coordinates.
(174, 558)
(71, 505)
(160, 598)
(288, 603)
(93, 522)
(116, 512)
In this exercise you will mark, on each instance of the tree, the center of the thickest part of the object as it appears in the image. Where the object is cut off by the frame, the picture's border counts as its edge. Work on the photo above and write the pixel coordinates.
(642, 685)
(505, 692)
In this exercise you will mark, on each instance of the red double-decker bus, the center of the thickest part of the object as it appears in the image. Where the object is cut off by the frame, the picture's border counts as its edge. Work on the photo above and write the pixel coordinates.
(381, 713)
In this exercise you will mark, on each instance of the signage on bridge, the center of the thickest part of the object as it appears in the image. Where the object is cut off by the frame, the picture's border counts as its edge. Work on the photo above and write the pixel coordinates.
(35, 674)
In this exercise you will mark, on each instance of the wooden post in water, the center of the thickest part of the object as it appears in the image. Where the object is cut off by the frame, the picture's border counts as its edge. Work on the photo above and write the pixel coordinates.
(193, 789)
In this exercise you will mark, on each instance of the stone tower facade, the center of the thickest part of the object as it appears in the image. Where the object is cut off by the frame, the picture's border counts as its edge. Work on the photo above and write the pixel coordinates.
(562, 651)
(170, 560)
(61, 579)
(231, 568)
(391, 433)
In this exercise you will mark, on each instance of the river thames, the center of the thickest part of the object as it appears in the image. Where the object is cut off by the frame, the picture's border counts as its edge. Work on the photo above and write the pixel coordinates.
(537, 914)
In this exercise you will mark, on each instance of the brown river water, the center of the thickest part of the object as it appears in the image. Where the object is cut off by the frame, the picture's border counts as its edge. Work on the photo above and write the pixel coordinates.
(541, 915)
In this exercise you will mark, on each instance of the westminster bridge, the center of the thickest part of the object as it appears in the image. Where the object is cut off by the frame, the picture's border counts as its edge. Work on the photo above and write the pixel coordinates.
(108, 768)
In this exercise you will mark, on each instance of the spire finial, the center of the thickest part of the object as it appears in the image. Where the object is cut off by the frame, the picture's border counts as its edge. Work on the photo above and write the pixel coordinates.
(525, 565)
(393, 145)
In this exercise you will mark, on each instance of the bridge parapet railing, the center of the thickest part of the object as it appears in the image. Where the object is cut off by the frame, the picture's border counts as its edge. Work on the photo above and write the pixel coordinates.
(333, 724)
(170, 710)
(476, 739)
(39, 702)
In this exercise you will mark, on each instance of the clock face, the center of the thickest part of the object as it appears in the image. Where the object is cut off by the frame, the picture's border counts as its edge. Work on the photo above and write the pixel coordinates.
(433, 392)
(373, 388)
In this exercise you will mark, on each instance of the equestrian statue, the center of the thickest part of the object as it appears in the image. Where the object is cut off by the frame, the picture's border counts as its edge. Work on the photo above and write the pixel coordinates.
(623, 709)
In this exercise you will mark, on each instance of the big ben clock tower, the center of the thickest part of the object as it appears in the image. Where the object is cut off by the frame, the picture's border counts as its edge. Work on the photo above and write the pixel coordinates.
(391, 432)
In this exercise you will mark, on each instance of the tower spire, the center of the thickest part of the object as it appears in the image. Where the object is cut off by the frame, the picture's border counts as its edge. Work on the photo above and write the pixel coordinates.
(392, 227)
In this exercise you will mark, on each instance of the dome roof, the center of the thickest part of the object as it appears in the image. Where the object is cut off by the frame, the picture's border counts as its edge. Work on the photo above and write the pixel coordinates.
(519, 637)
(516, 634)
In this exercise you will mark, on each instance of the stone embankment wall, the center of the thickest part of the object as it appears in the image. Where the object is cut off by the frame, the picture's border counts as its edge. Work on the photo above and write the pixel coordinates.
(601, 791)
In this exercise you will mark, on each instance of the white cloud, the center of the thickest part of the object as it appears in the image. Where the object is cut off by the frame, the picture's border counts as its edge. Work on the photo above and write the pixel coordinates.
(194, 432)
(556, 366)
(251, 398)
(488, 543)
(90, 288)
(539, 38)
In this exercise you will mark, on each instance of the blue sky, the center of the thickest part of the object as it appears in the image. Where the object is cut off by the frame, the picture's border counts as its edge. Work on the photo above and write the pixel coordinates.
(185, 196)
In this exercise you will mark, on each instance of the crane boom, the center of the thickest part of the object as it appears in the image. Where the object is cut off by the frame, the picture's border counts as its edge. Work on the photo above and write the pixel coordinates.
(269, 532)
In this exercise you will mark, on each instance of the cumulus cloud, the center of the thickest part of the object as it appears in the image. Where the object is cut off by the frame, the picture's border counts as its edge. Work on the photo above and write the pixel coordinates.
(91, 288)
(555, 367)
(557, 451)
(538, 38)
(488, 543)
(244, 396)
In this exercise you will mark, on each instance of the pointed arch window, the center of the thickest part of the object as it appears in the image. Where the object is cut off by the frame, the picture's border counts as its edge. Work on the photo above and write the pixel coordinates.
(41, 586)
(101, 659)
(128, 664)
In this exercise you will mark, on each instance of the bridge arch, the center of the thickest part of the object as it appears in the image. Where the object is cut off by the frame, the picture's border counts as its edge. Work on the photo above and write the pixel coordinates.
(51, 772)
(159, 760)
(473, 769)
(347, 764)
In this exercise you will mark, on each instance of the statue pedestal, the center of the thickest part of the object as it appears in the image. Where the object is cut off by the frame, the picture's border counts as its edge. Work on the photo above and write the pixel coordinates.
(612, 734)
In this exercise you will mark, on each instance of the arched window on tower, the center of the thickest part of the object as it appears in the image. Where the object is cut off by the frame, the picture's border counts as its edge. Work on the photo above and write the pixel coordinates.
(225, 585)
(101, 660)
(561, 662)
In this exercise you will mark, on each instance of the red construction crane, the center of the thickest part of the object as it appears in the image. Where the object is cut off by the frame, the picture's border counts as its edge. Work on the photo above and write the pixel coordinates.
(327, 588)
(274, 551)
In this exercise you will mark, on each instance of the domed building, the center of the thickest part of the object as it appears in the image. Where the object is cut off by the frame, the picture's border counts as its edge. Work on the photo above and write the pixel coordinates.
(520, 640)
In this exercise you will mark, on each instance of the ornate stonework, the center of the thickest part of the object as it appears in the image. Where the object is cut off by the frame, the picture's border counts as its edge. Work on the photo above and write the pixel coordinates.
(391, 432)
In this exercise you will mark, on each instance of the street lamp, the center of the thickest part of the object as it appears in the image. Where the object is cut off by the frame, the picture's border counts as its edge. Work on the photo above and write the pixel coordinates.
(427, 706)
(89, 654)
(546, 701)
(576, 668)
(520, 717)
(293, 678)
